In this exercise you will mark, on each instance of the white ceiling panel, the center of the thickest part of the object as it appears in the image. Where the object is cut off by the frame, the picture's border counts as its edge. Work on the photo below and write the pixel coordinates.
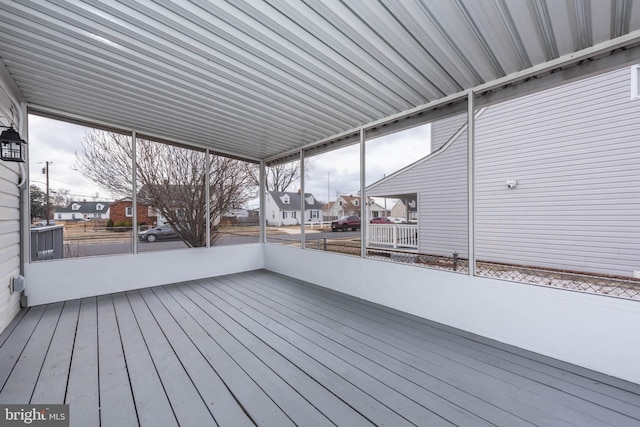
(261, 79)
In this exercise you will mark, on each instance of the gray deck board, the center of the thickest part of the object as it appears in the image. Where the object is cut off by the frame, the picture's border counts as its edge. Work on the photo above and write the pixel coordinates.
(52, 381)
(604, 384)
(259, 348)
(374, 388)
(182, 393)
(387, 370)
(213, 391)
(151, 401)
(22, 381)
(500, 364)
(16, 342)
(453, 385)
(335, 409)
(376, 411)
(116, 398)
(267, 399)
(82, 386)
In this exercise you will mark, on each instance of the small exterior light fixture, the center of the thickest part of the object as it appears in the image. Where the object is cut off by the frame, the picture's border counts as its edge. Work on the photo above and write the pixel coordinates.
(512, 183)
(13, 147)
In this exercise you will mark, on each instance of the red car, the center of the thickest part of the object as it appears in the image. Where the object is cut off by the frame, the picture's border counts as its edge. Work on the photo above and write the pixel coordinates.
(381, 220)
(345, 223)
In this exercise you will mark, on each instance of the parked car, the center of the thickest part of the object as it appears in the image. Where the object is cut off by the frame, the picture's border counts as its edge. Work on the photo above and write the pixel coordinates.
(381, 220)
(345, 223)
(163, 232)
(398, 220)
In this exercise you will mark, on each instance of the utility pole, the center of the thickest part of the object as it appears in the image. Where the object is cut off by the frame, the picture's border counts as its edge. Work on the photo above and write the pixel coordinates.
(45, 170)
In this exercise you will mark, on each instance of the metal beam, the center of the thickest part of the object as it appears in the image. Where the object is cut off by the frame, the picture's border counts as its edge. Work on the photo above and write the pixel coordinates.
(302, 236)
(134, 189)
(363, 195)
(207, 194)
(471, 122)
(262, 214)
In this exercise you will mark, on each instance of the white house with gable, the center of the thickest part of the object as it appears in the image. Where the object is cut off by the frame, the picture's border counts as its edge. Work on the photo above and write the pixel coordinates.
(77, 211)
(283, 208)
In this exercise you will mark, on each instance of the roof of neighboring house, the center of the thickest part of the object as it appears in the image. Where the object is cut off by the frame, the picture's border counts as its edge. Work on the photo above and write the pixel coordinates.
(350, 203)
(85, 207)
(294, 201)
(128, 200)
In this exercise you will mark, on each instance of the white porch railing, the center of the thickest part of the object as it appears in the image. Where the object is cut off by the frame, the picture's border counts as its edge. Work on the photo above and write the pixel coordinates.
(393, 235)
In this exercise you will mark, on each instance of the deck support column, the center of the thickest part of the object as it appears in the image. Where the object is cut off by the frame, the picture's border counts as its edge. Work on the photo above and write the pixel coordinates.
(207, 193)
(363, 198)
(302, 236)
(471, 181)
(134, 189)
(263, 214)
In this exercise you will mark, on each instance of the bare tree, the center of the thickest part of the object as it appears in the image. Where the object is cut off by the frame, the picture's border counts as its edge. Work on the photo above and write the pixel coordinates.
(171, 179)
(60, 198)
(280, 177)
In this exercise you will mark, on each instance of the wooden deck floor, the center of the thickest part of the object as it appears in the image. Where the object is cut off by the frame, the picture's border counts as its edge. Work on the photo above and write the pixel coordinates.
(262, 349)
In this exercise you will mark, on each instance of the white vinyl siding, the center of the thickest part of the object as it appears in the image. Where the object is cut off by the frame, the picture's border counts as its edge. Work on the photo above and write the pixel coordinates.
(442, 130)
(441, 184)
(9, 228)
(574, 151)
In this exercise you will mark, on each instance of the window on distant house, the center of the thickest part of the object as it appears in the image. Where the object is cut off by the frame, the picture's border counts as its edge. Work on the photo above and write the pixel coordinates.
(284, 215)
(59, 216)
(75, 206)
(73, 216)
(635, 81)
(128, 211)
(293, 214)
(355, 202)
(285, 199)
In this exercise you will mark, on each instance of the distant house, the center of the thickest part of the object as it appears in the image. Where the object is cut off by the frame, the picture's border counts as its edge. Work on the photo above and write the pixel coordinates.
(344, 205)
(84, 210)
(556, 180)
(375, 210)
(405, 209)
(350, 205)
(122, 210)
(283, 208)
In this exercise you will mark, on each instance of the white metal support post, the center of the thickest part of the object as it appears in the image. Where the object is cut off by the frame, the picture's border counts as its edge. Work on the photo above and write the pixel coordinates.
(207, 194)
(471, 181)
(134, 188)
(363, 198)
(262, 216)
(302, 236)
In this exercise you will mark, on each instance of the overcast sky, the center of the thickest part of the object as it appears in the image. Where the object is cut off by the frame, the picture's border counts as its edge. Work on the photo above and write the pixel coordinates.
(338, 171)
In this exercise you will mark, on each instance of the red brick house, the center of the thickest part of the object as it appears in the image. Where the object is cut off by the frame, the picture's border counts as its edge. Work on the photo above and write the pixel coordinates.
(122, 210)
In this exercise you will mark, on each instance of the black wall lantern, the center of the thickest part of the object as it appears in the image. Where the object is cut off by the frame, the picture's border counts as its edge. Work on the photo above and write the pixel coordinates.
(13, 147)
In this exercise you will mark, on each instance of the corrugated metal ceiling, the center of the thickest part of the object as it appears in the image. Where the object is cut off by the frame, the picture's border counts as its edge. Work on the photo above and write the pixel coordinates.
(259, 78)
